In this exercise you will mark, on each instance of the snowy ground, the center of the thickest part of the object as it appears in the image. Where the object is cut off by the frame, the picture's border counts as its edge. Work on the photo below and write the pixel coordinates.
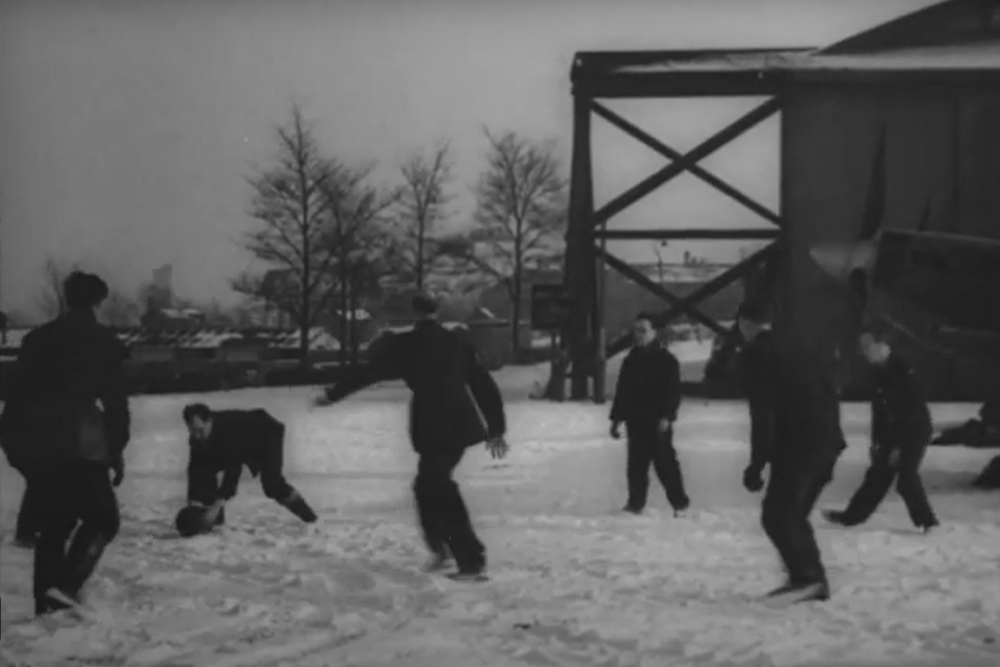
(574, 582)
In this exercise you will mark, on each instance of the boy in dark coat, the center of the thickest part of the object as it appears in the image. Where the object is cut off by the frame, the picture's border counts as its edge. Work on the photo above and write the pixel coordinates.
(223, 441)
(452, 395)
(67, 446)
(794, 428)
(901, 430)
(646, 400)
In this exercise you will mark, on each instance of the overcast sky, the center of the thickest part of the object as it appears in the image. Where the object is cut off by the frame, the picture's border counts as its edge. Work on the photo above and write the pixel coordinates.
(127, 128)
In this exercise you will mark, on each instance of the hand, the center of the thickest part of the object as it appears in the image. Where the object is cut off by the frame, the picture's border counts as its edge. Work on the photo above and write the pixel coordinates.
(497, 447)
(118, 472)
(752, 479)
(666, 425)
(213, 510)
(616, 430)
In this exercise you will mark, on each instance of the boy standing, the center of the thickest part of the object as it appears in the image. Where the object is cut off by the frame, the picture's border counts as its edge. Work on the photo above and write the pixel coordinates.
(646, 400)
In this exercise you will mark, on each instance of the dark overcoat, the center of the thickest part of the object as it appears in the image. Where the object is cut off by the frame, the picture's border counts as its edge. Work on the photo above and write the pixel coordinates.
(649, 386)
(68, 400)
(794, 404)
(251, 438)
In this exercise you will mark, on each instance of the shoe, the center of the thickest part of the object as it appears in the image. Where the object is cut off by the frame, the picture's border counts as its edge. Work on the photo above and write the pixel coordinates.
(781, 590)
(926, 530)
(55, 600)
(799, 592)
(838, 518)
(477, 575)
(297, 505)
(437, 563)
(632, 510)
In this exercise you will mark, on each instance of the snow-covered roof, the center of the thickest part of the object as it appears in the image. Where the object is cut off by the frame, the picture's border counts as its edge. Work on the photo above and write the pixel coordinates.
(206, 338)
(360, 314)
(958, 56)
(14, 336)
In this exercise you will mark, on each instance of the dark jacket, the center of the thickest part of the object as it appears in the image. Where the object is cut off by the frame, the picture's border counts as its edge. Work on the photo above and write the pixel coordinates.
(794, 406)
(900, 417)
(456, 403)
(68, 400)
(649, 386)
(239, 438)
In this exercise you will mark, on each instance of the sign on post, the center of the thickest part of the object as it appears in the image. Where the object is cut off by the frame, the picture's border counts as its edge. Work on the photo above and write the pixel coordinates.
(549, 307)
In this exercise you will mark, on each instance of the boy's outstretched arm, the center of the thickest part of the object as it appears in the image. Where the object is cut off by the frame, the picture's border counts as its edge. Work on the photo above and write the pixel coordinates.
(381, 367)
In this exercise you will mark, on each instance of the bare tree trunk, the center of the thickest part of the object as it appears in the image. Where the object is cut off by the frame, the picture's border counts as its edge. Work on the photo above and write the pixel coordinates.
(305, 313)
(420, 254)
(518, 274)
(352, 321)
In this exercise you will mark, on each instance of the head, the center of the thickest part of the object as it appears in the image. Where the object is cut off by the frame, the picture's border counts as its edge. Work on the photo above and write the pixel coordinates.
(424, 305)
(874, 345)
(198, 418)
(84, 291)
(644, 329)
(752, 318)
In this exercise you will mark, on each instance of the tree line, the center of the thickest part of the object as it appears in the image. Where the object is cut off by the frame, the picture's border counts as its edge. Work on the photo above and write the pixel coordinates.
(327, 237)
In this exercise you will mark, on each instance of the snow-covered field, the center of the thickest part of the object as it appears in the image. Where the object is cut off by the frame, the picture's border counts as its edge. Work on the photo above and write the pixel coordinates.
(574, 582)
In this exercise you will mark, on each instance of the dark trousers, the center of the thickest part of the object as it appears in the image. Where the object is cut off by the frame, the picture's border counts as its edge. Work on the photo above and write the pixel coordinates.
(71, 496)
(879, 479)
(27, 516)
(648, 446)
(792, 492)
(444, 517)
(272, 476)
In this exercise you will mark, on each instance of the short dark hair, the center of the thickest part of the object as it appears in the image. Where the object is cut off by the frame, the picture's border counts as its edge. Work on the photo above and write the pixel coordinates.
(423, 304)
(755, 310)
(84, 290)
(199, 410)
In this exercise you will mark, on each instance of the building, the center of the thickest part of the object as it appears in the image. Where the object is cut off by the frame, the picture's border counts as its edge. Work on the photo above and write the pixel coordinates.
(897, 127)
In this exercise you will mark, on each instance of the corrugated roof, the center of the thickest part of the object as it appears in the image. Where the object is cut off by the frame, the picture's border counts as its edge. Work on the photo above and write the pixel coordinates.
(982, 55)
(952, 36)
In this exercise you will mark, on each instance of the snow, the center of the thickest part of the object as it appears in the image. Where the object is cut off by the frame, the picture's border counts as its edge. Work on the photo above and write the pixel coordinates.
(574, 582)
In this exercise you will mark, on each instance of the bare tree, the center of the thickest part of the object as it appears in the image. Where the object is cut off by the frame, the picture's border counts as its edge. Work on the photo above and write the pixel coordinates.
(291, 205)
(360, 241)
(422, 201)
(520, 214)
(51, 300)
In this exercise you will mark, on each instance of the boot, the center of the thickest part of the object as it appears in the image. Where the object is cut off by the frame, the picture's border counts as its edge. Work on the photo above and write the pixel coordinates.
(52, 601)
(438, 561)
(838, 518)
(794, 593)
(81, 560)
(297, 505)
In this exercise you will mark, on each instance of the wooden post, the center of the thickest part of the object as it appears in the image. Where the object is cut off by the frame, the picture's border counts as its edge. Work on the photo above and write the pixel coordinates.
(580, 255)
(600, 359)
